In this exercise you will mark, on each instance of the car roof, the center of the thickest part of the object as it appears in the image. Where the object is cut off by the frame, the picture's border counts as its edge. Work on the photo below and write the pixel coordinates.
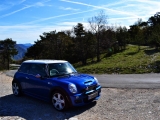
(45, 61)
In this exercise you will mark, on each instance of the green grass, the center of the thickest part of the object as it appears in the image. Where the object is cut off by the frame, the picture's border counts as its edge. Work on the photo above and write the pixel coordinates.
(130, 61)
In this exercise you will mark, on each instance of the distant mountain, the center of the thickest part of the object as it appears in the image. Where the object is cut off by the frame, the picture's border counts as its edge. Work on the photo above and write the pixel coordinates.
(22, 46)
(22, 49)
(27, 44)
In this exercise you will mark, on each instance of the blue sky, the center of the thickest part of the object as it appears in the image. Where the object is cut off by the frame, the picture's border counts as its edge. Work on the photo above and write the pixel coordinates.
(25, 20)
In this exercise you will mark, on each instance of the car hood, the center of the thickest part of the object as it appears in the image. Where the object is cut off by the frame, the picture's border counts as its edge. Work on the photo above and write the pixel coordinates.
(80, 80)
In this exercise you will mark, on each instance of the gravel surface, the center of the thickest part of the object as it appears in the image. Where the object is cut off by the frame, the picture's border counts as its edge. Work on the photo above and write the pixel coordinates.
(114, 104)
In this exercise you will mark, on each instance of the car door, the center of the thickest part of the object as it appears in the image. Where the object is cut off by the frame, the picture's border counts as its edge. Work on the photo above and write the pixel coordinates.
(36, 85)
(23, 75)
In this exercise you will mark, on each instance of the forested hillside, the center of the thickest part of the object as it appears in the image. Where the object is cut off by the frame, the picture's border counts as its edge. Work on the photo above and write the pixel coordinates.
(80, 43)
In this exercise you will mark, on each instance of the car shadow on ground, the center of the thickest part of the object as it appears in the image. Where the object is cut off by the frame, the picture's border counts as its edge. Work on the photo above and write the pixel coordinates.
(34, 109)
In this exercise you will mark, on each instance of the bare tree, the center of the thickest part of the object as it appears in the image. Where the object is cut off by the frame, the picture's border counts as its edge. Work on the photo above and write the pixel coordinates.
(97, 24)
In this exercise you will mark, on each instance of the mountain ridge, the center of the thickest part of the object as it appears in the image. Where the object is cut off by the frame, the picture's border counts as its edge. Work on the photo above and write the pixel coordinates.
(22, 49)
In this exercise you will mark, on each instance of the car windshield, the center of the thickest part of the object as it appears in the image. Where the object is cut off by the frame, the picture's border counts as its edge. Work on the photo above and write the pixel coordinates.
(59, 69)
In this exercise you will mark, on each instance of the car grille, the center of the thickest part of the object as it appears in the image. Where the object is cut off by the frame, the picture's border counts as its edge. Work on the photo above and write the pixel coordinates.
(92, 87)
(89, 91)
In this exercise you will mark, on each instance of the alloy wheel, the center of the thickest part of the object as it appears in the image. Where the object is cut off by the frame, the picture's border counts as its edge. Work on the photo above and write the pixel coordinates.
(58, 101)
(15, 89)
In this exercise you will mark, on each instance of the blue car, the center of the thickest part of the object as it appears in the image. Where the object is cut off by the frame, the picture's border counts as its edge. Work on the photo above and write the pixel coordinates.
(56, 81)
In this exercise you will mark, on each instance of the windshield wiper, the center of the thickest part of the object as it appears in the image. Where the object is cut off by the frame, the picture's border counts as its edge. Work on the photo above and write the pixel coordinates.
(74, 73)
(64, 74)
(61, 75)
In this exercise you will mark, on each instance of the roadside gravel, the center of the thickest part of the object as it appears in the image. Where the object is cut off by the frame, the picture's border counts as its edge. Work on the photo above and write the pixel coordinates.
(114, 104)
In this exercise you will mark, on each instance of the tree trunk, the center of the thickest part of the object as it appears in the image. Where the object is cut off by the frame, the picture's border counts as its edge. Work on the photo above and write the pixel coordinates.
(8, 63)
(98, 51)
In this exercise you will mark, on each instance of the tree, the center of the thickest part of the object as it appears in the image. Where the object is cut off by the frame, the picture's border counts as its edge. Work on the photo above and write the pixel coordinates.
(154, 20)
(136, 33)
(35, 50)
(154, 28)
(155, 36)
(122, 37)
(108, 39)
(51, 45)
(79, 30)
(64, 42)
(97, 24)
(8, 50)
(80, 48)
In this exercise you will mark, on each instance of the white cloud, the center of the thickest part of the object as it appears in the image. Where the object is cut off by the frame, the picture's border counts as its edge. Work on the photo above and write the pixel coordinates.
(29, 34)
(8, 14)
(22, 1)
(38, 4)
(71, 24)
(68, 8)
(126, 9)
(63, 15)
(8, 5)
(101, 7)
(42, 4)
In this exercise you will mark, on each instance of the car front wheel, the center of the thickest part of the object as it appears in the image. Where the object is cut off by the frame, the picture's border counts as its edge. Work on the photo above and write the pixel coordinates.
(59, 101)
(16, 89)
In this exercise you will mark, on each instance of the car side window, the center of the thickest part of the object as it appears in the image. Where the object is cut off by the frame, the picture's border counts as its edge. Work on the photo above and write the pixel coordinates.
(57, 68)
(24, 68)
(38, 69)
(53, 69)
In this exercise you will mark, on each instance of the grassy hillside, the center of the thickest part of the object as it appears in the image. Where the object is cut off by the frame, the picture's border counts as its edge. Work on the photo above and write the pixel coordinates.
(130, 61)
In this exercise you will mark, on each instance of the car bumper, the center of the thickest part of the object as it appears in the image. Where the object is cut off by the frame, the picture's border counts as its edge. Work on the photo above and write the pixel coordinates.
(85, 98)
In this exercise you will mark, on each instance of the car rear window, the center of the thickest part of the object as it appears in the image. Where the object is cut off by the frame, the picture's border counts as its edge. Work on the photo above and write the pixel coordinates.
(24, 68)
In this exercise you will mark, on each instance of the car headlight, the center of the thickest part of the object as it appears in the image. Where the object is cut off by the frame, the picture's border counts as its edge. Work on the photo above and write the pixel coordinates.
(96, 80)
(72, 88)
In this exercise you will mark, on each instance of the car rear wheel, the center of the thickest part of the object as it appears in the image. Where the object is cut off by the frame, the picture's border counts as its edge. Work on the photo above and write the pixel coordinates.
(59, 101)
(16, 89)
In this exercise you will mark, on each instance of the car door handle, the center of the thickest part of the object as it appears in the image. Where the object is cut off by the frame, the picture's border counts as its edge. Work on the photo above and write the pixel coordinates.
(27, 78)
(49, 83)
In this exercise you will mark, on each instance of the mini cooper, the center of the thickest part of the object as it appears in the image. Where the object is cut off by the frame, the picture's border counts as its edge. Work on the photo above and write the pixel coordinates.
(56, 81)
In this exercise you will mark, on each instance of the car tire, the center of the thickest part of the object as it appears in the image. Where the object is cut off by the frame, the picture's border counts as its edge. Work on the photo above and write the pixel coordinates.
(16, 88)
(59, 101)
